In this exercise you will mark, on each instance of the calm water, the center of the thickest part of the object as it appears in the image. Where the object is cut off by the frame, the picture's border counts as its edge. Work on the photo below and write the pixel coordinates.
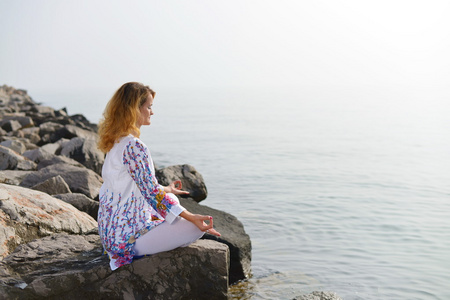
(340, 190)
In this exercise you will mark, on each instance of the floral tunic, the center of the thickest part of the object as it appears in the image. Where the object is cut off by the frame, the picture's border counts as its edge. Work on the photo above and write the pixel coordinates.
(131, 200)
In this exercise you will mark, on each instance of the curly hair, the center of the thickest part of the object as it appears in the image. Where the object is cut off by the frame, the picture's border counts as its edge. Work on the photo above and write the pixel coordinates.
(121, 114)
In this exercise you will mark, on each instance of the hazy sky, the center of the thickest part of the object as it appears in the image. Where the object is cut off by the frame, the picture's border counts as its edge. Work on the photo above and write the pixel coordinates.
(92, 44)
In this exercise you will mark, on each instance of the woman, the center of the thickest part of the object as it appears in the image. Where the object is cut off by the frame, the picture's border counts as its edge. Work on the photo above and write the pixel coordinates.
(137, 216)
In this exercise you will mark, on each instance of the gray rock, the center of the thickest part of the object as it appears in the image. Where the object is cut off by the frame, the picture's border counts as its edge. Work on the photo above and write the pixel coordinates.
(79, 179)
(191, 179)
(11, 125)
(84, 151)
(53, 186)
(316, 295)
(51, 147)
(31, 130)
(11, 160)
(232, 234)
(70, 267)
(44, 110)
(81, 202)
(58, 159)
(13, 177)
(23, 120)
(27, 214)
(15, 145)
(72, 131)
(37, 155)
(49, 128)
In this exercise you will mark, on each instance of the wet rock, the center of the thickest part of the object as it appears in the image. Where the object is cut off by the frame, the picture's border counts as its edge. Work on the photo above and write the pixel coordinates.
(71, 267)
(81, 202)
(191, 179)
(316, 295)
(232, 234)
(53, 186)
(27, 214)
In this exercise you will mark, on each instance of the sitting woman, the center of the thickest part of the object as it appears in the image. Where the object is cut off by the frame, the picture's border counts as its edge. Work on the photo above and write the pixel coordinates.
(137, 216)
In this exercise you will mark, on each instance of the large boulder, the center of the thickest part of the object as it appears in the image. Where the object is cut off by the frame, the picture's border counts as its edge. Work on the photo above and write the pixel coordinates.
(191, 179)
(37, 155)
(14, 145)
(72, 131)
(71, 267)
(81, 202)
(23, 120)
(13, 177)
(86, 152)
(11, 160)
(232, 234)
(79, 179)
(27, 214)
(53, 186)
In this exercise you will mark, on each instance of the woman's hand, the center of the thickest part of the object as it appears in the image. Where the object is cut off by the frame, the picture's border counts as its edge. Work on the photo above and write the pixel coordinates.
(175, 188)
(199, 221)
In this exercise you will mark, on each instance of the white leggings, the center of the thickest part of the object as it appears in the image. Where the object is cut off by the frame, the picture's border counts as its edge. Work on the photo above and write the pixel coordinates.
(165, 237)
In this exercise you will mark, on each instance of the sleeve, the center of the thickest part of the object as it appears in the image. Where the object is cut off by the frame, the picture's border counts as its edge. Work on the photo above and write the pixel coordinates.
(137, 161)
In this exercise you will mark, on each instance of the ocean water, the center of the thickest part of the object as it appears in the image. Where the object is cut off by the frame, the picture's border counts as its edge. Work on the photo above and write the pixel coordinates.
(340, 189)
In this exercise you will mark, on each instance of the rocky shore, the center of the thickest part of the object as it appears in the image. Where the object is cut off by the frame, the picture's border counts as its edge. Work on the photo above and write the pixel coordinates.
(49, 246)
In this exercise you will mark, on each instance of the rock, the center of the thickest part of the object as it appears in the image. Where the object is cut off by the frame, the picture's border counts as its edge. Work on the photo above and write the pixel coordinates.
(49, 128)
(11, 160)
(191, 179)
(86, 152)
(51, 147)
(58, 159)
(27, 214)
(79, 179)
(70, 267)
(232, 234)
(81, 202)
(13, 177)
(23, 120)
(44, 110)
(316, 295)
(71, 131)
(11, 125)
(37, 155)
(15, 145)
(53, 186)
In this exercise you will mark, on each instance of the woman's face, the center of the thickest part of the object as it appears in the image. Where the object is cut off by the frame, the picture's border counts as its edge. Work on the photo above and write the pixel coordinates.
(145, 112)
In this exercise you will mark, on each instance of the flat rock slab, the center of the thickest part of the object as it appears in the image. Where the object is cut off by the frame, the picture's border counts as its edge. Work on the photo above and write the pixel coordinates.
(71, 267)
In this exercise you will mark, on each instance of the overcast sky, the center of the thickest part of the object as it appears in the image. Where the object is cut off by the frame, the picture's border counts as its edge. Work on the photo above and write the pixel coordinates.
(72, 45)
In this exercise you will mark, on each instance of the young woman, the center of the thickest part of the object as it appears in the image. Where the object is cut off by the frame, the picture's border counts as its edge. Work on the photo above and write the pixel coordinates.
(137, 216)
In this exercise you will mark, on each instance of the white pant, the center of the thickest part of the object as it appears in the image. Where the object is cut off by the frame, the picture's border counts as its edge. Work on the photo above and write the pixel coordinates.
(165, 237)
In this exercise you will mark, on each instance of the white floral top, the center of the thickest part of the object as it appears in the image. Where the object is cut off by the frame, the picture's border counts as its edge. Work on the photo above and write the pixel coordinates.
(131, 200)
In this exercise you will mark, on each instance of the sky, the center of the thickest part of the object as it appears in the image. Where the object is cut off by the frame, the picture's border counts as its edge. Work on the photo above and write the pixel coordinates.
(100, 44)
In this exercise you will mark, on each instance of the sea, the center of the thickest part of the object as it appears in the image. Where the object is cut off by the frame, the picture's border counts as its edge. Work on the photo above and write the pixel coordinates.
(341, 189)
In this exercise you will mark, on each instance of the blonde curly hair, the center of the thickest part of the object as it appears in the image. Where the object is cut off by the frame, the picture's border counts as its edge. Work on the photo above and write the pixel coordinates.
(121, 114)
